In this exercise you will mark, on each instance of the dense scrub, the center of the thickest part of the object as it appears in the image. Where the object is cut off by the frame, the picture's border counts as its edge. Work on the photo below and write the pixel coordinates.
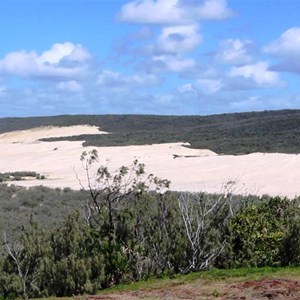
(46, 206)
(149, 238)
(125, 227)
(269, 131)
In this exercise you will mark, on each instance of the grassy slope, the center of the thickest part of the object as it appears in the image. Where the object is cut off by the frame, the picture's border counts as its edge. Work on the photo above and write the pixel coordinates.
(269, 131)
(213, 284)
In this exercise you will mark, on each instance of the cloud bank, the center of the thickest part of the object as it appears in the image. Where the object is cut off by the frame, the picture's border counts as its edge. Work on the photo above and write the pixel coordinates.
(168, 61)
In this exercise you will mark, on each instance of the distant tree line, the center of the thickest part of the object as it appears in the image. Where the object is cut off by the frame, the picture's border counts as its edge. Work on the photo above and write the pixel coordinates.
(130, 227)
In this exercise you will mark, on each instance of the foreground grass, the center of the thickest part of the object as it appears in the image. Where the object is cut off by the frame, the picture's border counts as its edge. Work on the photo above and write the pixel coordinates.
(232, 275)
(211, 284)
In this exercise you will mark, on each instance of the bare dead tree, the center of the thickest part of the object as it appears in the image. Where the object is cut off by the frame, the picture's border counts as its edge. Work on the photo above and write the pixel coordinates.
(198, 212)
(23, 269)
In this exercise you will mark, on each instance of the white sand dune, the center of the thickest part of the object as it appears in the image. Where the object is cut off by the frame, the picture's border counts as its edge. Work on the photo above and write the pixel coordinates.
(188, 169)
(33, 135)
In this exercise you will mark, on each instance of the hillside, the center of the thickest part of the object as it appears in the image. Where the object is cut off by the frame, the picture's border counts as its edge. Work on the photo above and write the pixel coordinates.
(238, 133)
(141, 233)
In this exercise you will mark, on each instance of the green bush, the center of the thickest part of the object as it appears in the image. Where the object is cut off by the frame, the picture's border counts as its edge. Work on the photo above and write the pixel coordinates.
(257, 232)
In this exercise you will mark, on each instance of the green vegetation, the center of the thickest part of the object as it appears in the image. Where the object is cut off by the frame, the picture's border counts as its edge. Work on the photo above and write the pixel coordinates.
(47, 206)
(268, 131)
(124, 227)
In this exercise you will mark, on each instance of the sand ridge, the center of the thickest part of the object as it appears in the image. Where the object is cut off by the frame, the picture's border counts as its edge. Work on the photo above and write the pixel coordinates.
(188, 169)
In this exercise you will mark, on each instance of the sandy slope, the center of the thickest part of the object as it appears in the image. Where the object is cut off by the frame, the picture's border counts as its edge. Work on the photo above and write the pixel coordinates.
(188, 169)
(33, 135)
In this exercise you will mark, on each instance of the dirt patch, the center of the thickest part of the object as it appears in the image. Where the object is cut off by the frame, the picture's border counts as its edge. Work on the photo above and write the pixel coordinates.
(173, 291)
(268, 289)
(274, 289)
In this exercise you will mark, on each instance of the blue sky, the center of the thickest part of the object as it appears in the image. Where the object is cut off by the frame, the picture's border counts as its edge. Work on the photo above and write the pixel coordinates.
(148, 56)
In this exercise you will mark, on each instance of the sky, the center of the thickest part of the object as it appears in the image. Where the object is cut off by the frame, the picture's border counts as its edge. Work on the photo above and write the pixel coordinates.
(170, 57)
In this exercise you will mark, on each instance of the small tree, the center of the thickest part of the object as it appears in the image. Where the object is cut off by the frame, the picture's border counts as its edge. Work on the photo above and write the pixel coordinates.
(107, 193)
(107, 189)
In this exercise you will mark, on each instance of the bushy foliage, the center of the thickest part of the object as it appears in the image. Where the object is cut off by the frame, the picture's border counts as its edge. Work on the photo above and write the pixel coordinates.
(149, 237)
(60, 262)
(257, 232)
(130, 227)
(290, 247)
(23, 262)
(48, 206)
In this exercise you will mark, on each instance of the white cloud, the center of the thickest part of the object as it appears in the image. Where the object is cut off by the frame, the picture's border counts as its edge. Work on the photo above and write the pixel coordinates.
(173, 63)
(234, 51)
(287, 49)
(115, 80)
(173, 11)
(67, 51)
(176, 39)
(50, 64)
(287, 46)
(152, 12)
(202, 86)
(19, 63)
(69, 86)
(209, 86)
(259, 73)
(79, 54)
